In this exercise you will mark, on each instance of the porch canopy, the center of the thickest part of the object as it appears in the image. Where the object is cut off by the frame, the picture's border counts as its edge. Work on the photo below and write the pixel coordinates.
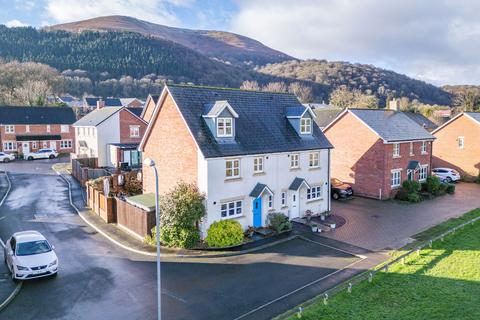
(259, 189)
(297, 183)
(413, 165)
(38, 137)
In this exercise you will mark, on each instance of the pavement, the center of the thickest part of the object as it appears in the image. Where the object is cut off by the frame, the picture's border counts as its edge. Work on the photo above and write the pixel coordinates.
(99, 280)
(385, 225)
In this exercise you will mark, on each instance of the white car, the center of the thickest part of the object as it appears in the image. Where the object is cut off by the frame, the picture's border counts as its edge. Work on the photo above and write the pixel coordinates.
(42, 154)
(446, 174)
(5, 157)
(28, 255)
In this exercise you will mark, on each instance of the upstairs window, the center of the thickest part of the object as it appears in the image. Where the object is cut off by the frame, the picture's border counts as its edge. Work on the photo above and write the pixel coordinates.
(64, 128)
(396, 150)
(224, 127)
(294, 161)
(27, 128)
(10, 128)
(305, 126)
(411, 148)
(258, 165)
(314, 160)
(134, 131)
(48, 128)
(232, 168)
(461, 142)
(424, 147)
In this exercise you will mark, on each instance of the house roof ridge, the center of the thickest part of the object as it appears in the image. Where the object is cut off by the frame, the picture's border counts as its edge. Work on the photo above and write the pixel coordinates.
(224, 88)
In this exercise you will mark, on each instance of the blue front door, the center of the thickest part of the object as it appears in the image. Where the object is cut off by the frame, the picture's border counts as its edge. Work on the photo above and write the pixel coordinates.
(257, 212)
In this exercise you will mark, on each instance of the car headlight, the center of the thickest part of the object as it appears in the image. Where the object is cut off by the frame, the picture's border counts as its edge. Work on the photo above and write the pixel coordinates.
(343, 191)
(20, 268)
(54, 262)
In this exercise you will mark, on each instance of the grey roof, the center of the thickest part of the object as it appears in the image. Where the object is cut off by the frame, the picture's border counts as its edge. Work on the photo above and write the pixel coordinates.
(413, 165)
(36, 115)
(155, 97)
(96, 117)
(213, 109)
(325, 116)
(474, 115)
(109, 102)
(136, 111)
(258, 190)
(392, 126)
(260, 128)
(422, 120)
(296, 111)
(296, 183)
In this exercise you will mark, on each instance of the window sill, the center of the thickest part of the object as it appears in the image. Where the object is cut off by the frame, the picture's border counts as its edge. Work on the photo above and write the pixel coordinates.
(295, 169)
(259, 173)
(314, 168)
(233, 217)
(284, 207)
(233, 179)
(396, 157)
(412, 155)
(395, 187)
(314, 200)
(424, 153)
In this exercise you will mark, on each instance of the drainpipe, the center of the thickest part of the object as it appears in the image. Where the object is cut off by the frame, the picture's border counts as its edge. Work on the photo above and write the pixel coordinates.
(328, 184)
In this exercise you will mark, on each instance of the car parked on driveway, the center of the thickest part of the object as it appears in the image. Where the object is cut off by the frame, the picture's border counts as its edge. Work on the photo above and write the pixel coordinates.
(446, 174)
(5, 157)
(340, 189)
(29, 255)
(42, 154)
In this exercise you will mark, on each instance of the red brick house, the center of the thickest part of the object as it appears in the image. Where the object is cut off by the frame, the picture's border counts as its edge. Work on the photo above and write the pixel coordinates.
(458, 144)
(376, 150)
(27, 129)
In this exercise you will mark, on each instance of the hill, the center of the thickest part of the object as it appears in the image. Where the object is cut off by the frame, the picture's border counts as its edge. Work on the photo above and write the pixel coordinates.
(384, 84)
(224, 46)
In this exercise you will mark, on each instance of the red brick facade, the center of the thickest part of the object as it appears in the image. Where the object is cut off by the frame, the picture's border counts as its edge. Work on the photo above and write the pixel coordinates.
(128, 120)
(447, 151)
(172, 147)
(148, 112)
(363, 160)
(24, 130)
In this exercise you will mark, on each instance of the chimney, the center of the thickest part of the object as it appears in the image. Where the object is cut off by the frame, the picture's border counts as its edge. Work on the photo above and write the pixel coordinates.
(100, 103)
(394, 105)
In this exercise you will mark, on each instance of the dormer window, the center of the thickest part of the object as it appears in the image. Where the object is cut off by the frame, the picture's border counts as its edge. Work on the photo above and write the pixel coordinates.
(224, 127)
(306, 126)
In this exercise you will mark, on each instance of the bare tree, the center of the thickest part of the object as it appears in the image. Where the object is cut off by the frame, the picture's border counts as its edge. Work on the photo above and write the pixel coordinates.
(275, 87)
(250, 85)
(303, 92)
(344, 98)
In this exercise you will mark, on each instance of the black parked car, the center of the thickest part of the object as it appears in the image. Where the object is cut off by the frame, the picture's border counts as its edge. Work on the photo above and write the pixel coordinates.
(340, 190)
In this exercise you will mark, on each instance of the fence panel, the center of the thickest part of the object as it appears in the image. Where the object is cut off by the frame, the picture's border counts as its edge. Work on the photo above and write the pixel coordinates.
(134, 219)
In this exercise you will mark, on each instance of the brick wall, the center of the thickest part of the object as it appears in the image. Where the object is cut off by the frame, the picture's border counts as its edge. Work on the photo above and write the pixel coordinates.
(55, 129)
(446, 152)
(127, 119)
(149, 108)
(173, 149)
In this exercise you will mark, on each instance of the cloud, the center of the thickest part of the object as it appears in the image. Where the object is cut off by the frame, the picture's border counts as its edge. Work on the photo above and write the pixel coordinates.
(15, 23)
(157, 11)
(435, 40)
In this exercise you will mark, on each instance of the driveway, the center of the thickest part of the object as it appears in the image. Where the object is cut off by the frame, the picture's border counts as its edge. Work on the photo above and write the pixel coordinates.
(378, 225)
(98, 280)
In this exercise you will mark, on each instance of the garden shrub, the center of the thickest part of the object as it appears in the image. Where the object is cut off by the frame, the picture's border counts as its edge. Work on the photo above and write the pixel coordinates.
(224, 233)
(278, 222)
(411, 186)
(450, 188)
(174, 237)
(402, 195)
(432, 185)
(414, 197)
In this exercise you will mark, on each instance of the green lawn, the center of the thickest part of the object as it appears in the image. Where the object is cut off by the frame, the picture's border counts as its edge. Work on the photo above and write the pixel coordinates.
(443, 283)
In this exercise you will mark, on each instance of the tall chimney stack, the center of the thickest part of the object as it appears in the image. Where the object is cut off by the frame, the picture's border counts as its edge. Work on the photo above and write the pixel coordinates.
(100, 103)
(394, 105)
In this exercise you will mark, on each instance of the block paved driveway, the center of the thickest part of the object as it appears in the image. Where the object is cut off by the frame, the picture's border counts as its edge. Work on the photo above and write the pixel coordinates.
(98, 280)
(378, 225)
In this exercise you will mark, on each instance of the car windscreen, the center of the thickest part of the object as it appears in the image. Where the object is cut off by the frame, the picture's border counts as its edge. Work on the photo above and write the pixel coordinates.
(32, 247)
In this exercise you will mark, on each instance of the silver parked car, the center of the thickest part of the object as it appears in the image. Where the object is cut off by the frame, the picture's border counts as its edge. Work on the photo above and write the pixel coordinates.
(446, 174)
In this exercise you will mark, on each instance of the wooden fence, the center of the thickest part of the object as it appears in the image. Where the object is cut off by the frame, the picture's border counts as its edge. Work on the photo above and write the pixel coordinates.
(84, 169)
(102, 205)
(134, 219)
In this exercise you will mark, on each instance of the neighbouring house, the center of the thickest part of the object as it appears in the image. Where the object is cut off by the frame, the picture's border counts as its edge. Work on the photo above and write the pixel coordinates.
(421, 120)
(112, 135)
(326, 115)
(131, 102)
(458, 144)
(150, 105)
(375, 150)
(27, 129)
(249, 152)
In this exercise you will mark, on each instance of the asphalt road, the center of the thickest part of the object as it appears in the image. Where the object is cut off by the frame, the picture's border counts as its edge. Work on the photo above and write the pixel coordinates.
(98, 280)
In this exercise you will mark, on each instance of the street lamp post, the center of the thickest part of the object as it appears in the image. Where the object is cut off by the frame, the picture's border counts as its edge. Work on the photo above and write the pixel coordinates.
(148, 162)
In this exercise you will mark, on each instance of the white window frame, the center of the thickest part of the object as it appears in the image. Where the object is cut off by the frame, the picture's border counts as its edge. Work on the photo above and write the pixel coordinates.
(64, 128)
(423, 147)
(305, 126)
(270, 202)
(396, 181)
(461, 142)
(314, 193)
(423, 173)
(134, 131)
(27, 128)
(396, 150)
(8, 143)
(227, 207)
(48, 128)
(234, 166)
(224, 127)
(66, 144)
(294, 161)
(258, 165)
(314, 160)
(283, 198)
(9, 128)
(412, 149)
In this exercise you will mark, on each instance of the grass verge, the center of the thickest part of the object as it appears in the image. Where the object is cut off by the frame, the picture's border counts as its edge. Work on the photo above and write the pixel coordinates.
(442, 283)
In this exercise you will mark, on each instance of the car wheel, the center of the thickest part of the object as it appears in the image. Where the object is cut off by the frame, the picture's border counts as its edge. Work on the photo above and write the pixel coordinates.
(6, 160)
(448, 179)
(30, 158)
(335, 196)
(51, 156)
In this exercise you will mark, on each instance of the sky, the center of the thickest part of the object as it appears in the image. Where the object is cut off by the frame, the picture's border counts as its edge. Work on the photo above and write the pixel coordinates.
(432, 40)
